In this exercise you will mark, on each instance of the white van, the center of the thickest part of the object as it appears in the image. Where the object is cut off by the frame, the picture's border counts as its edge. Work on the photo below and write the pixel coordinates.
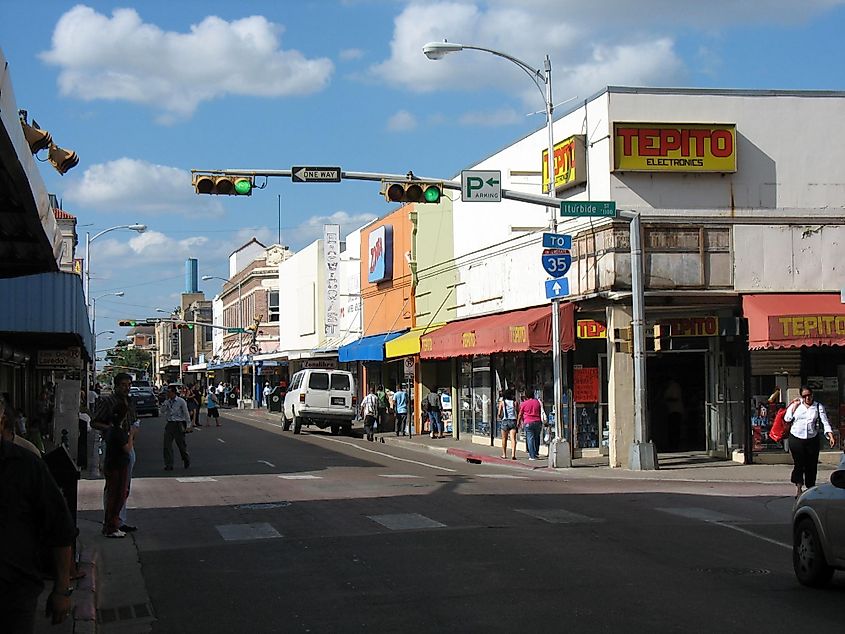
(325, 398)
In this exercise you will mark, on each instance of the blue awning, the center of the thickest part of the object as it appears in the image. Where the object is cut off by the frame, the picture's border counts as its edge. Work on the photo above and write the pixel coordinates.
(47, 303)
(367, 348)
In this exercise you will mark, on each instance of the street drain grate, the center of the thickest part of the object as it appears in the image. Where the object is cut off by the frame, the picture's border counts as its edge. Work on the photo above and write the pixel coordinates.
(262, 506)
(124, 613)
(735, 572)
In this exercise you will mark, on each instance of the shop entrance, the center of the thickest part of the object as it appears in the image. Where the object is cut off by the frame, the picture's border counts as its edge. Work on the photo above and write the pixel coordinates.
(676, 397)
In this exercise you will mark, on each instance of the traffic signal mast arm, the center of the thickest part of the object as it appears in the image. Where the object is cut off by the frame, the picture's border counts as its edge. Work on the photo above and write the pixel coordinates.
(509, 194)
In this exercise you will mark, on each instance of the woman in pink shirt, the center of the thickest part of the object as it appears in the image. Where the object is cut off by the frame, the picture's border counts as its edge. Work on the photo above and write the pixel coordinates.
(530, 418)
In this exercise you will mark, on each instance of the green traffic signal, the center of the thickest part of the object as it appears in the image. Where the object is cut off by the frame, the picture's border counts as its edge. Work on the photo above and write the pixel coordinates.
(432, 194)
(412, 192)
(243, 186)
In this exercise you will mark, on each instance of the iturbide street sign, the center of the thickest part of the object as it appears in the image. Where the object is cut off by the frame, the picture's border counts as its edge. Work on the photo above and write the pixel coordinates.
(555, 289)
(578, 208)
(557, 241)
(315, 174)
(556, 262)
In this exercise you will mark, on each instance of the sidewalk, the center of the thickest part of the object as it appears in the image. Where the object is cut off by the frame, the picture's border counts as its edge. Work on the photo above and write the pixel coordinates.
(673, 467)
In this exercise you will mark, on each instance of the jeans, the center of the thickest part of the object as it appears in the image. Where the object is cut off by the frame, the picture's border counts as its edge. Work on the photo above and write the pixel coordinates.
(115, 490)
(401, 423)
(434, 421)
(122, 513)
(532, 438)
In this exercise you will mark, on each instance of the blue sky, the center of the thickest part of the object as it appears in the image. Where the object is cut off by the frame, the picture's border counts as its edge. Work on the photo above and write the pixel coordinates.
(145, 91)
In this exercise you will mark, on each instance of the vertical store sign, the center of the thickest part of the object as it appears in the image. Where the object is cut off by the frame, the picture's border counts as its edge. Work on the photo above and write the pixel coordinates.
(331, 252)
(380, 254)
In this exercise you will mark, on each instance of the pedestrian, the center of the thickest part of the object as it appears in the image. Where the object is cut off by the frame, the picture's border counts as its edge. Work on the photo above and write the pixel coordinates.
(176, 414)
(807, 417)
(134, 430)
(35, 518)
(266, 394)
(434, 409)
(112, 418)
(383, 402)
(530, 419)
(8, 426)
(211, 410)
(400, 408)
(192, 398)
(507, 415)
(369, 408)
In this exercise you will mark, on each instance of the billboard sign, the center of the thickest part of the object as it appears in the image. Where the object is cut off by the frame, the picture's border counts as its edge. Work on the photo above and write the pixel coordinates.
(674, 147)
(570, 163)
(380, 255)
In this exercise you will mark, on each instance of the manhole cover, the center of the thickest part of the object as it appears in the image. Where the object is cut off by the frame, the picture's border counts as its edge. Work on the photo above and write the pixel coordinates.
(262, 506)
(735, 572)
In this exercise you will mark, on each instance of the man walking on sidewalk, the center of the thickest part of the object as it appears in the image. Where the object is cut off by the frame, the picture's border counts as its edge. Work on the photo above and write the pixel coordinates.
(175, 412)
(400, 407)
(369, 408)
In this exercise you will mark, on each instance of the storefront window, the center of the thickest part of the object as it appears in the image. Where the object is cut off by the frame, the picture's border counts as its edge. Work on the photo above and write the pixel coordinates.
(476, 396)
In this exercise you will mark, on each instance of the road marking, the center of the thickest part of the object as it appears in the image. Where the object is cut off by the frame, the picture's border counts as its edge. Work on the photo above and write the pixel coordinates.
(221, 440)
(239, 532)
(701, 514)
(397, 475)
(558, 516)
(499, 476)
(269, 464)
(387, 455)
(747, 532)
(406, 521)
(196, 479)
(303, 476)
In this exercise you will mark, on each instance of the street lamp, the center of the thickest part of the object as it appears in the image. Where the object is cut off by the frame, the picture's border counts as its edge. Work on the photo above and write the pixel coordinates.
(206, 278)
(560, 454)
(94, 318)
(88, 240)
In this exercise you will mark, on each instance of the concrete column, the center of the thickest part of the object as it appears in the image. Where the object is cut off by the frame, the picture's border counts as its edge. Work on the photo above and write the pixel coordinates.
(620, 390)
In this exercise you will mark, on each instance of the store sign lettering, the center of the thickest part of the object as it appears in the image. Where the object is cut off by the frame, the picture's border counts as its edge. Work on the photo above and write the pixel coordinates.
(519, 334)
(707, 326)
(591, 329)
(570, 163)
(468, 339)
(658, 147)
(800, 326)
(380, 254)
(426, 344)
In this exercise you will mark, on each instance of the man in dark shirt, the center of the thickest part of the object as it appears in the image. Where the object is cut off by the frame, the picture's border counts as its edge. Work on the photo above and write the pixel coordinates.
(33, 515)
(113, 417)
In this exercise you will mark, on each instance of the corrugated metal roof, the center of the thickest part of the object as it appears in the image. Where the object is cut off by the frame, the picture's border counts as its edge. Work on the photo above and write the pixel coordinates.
(46, 303)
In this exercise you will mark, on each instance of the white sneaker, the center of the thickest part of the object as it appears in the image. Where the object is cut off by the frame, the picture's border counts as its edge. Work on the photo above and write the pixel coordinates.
(116, 534)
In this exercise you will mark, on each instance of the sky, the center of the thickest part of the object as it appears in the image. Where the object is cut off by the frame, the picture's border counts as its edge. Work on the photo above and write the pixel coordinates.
(146, 91)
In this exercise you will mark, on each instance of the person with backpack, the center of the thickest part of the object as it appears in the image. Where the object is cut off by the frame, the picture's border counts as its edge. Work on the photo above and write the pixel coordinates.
(383, 406)
(507, 415)
(807, 417)
(434, 409)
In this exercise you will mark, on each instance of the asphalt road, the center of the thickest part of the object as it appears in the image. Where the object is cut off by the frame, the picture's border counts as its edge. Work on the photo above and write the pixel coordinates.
(271, 532)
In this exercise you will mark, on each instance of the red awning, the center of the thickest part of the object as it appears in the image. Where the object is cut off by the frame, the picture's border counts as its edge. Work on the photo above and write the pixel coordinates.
(793, 321)
(527, 330)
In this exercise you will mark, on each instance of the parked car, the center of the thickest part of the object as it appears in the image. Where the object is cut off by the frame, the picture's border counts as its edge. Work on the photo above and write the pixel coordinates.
(325, 398)
(145, 400)
(818, 531)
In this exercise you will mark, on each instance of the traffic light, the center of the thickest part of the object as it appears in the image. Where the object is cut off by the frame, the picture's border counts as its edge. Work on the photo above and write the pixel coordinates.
(624, 339)
(239, 185)
(127, 323)
(181, 325)
(411, 191)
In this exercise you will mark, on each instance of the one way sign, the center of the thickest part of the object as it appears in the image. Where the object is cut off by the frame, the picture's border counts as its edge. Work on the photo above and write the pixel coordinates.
(315, 174)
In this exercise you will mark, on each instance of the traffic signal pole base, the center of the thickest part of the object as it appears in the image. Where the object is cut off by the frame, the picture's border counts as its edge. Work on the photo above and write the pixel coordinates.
(643, 457)
(560, 454)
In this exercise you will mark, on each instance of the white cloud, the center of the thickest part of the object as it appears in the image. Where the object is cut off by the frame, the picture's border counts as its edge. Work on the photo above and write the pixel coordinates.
(349, 54)
(132, 185)
(401, 122)
(122, 58)
(591, 44)
(312, 228)
(503, 116)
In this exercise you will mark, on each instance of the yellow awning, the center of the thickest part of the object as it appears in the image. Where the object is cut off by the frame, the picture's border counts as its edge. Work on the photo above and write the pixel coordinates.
(409, 343)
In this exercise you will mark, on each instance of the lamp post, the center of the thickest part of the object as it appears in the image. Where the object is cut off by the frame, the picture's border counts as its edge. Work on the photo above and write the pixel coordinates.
(560, 454)
(89, 239)
(206, 278)
(94, 319)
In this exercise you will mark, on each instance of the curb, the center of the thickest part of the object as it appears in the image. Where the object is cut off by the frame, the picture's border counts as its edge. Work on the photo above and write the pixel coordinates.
(85, 595)
(477, 458)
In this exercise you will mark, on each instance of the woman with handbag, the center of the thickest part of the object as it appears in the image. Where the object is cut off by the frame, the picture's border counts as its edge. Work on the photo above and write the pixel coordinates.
(807, 417)
(507, 416)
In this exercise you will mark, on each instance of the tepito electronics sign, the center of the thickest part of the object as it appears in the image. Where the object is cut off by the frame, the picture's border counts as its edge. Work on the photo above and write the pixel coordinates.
(674, 147)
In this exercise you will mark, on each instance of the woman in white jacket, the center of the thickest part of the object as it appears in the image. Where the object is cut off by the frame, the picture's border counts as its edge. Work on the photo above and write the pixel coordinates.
(807, 417)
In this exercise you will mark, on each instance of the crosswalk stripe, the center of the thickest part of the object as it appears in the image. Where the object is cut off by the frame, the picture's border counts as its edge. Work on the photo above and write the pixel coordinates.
(406, 521)
(196, 479)
(558, 516)
(499, 476)
(238, 532)
(300, 476)
(397, 475)
(698, 513)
